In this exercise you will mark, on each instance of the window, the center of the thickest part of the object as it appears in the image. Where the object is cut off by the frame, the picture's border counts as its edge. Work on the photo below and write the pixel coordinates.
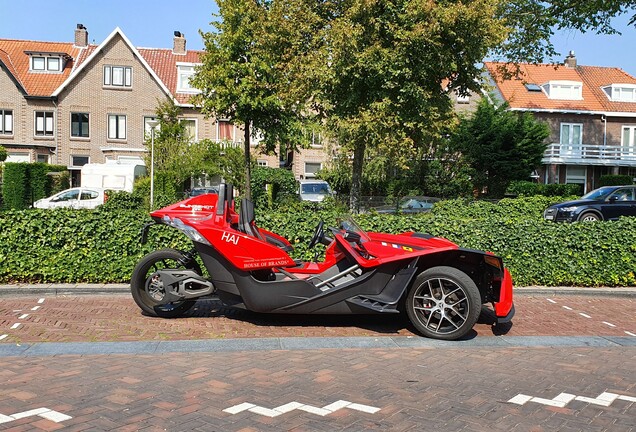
(564, 90)
(44, 123)
(532, 87)
(463, 99)
(118, 76)
(79, 125)
(184, 73)
(49, 63)
(79, 160)
(621, 92)
(6, 122)
(576, 175)
(18, 157)
(116, 126)
(225, 130)
(261, 163)
(628, 143)
(311, 168)
(571, 138)
(190, 128)
(42, 158)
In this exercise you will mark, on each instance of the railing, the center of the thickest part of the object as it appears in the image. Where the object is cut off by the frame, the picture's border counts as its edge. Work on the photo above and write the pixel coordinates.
(590, 154)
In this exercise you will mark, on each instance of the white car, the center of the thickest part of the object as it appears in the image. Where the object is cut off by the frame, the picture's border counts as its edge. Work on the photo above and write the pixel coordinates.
(314, 190)
(78, 197)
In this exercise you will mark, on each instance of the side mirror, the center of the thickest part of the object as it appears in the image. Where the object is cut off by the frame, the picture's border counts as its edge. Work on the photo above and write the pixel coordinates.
(613, 199)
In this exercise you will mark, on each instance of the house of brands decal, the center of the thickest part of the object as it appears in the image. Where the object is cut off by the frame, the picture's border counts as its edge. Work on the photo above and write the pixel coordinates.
(230, 238)
(265, 262)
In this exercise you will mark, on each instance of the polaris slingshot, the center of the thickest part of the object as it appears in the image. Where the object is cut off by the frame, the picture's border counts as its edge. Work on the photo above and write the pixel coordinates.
(440, 286)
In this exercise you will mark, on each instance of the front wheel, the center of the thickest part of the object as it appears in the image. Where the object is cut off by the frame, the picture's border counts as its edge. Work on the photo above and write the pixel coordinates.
(443, 303)
(589, 217)
(147, 287)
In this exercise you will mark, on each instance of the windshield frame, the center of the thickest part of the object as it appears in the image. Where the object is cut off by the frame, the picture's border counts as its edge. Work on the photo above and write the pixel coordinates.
(347, 223)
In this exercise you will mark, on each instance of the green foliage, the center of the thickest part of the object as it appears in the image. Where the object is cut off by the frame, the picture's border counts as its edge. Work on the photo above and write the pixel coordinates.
(615, 180)
(272, 186)
(121, 200)
(500, 146)
(3, 154)
(527, 188)
(14, 186)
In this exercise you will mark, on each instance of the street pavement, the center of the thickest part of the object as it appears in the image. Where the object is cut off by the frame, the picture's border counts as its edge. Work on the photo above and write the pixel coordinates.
(94, 362)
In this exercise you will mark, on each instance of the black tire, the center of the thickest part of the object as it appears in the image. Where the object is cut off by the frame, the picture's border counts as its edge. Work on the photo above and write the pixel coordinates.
(443, 303)
(589, 217)
(143, 286)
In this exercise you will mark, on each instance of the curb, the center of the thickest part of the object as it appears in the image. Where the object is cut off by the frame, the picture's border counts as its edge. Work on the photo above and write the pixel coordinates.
(20, 290)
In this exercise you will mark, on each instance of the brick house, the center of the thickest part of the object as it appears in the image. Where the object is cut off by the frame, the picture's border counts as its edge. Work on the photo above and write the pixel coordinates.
(77, 103)
(591, 112)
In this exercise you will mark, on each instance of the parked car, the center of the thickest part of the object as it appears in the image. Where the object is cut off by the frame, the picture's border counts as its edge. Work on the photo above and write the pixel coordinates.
(314, 190)
(409, 204)
(203, 190)
(605, 203)
(78, 197)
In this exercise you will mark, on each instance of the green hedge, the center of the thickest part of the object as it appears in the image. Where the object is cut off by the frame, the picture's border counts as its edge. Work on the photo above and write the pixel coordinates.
(25, 183)
(615, 180)
(102, 245)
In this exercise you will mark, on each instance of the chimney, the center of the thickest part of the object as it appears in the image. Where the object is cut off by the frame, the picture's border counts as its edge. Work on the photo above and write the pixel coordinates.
(81, 36)
(570, 60)
(179, 46)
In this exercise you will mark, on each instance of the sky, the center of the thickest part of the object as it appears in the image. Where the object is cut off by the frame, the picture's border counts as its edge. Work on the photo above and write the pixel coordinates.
(151, 24)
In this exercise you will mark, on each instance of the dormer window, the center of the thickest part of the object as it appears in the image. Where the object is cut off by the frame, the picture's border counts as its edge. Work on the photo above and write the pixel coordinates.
(564, 90)
(46, 63)
(621, 92)
(185, 71)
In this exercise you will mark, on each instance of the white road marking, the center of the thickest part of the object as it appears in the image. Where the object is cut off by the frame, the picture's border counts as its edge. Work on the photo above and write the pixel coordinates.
(46, 413)
(34, 308)
(41, 301)
(15, 326)
(630, 333)
(291, 406)
(604, 399)
(609, 324)
(566, 307)
(551, 301)
(3, 336)
(23, 316)
(584, 315)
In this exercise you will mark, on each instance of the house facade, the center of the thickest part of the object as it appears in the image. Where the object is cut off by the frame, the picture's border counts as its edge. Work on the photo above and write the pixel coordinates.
(591, 112)
(73, 103)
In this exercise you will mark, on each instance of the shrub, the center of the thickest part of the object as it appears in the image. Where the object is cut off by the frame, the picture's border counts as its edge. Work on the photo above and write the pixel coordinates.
(615, 180)
(24, 183)
(526, 188)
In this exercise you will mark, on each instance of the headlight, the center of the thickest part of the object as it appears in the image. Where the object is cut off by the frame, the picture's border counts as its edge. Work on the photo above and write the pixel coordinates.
(192, 233)
(569, 209)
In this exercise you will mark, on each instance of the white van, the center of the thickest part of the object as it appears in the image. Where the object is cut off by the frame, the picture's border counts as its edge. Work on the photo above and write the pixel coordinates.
(112, 175)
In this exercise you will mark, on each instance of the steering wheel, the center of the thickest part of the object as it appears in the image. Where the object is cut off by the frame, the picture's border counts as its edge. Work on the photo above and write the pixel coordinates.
(318, 235)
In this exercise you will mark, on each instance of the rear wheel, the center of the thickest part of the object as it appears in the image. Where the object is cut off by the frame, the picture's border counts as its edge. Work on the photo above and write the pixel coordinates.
(443, 303)
(147, 287)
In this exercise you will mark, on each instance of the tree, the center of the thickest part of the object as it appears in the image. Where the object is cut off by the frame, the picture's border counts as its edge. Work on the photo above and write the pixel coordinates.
(500, 146)
(247, 72)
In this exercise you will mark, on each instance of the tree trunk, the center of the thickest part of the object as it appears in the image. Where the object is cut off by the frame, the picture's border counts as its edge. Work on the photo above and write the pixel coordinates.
(248, 170)
(356, 175)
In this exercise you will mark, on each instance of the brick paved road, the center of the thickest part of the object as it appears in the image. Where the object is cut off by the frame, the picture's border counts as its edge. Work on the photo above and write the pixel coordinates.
(117, 318)
(439, 388)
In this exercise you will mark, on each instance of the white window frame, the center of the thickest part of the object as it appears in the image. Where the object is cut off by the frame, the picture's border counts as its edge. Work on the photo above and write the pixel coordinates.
(46, 63)
(72, 160)
(615, 92)
(564, 90)
(6, 122)
(311, 175)
(47, 129)
(117, 134)
(88, 125)
(185, 71)
(629, 147)
(116, 76)
(195, 138)
(218, 130)
(570, 147)
(261, 163)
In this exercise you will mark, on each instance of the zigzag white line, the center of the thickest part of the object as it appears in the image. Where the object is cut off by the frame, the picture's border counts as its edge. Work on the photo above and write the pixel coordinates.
(604, 399)
(46, 413)
(275, 412)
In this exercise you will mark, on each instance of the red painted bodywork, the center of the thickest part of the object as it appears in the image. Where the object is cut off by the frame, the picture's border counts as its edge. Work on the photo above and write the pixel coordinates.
(248, 253)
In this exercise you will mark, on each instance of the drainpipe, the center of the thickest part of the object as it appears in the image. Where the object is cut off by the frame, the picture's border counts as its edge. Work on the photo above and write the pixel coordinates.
(57, 119)
(604, 120)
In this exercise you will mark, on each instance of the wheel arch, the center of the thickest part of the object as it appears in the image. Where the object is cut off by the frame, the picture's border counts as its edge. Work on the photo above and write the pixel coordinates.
(594, 211)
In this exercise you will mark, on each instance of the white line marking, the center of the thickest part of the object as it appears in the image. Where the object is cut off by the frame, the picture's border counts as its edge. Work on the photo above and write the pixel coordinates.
(584, 315)
(41, 301)
(46, 413)
(34, 308)
(604, 399)
(551, 301)
(628, 398)
(23, 316)
(566, 307)
(630, 333)
(15, 326)
(3, 336)
(291, 406)
(609, 324)
(520, 399)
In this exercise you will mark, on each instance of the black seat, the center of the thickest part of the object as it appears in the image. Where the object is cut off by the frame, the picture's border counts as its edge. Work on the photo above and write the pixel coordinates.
(246, 220)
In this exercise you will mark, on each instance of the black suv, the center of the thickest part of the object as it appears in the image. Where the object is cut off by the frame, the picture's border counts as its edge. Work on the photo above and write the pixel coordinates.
(606, 203)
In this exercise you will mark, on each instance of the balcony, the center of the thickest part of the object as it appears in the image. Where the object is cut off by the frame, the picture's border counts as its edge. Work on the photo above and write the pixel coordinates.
(589, 154)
